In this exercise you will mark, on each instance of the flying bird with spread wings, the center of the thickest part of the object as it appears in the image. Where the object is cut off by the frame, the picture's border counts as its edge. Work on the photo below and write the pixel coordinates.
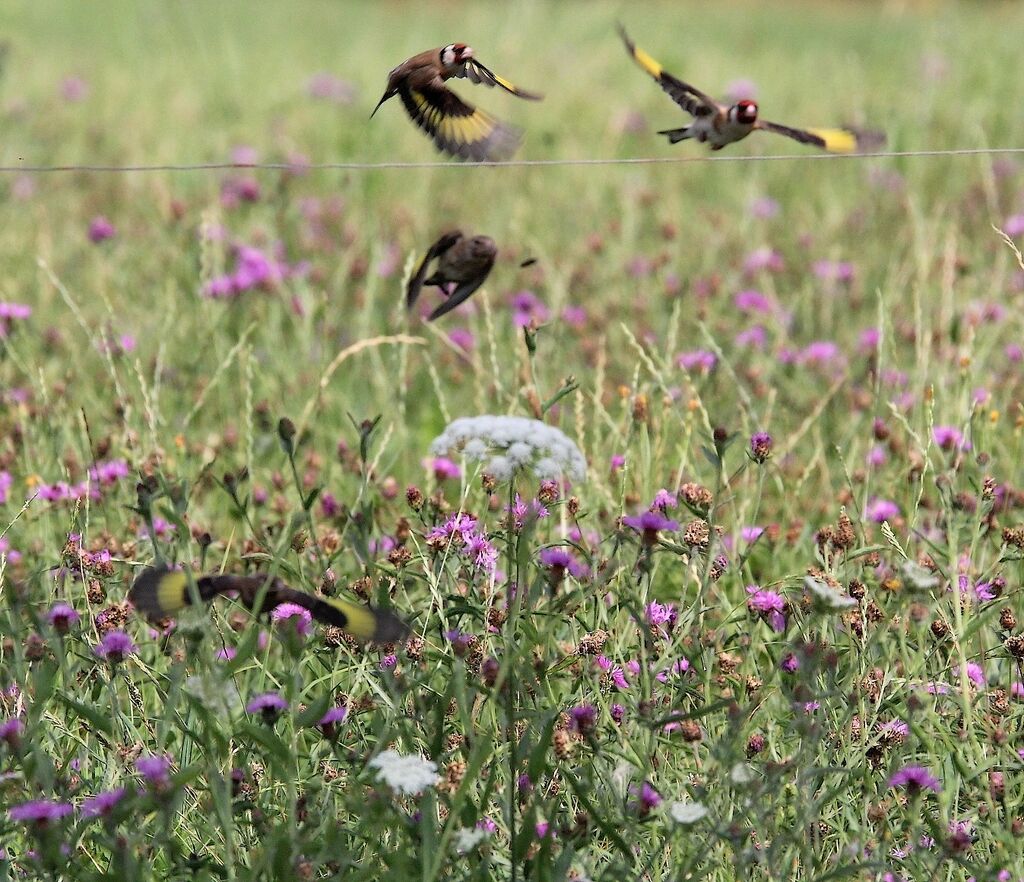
(456, 127)
(463, 264)
(720, 124)
(161, 592)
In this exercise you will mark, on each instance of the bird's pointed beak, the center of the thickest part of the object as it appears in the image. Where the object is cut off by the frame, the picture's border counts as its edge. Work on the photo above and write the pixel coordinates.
(384, 98)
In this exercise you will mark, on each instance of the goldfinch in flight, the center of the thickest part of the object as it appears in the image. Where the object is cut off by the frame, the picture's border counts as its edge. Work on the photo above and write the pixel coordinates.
(462, 261)
(721, 124)
(457, 128)
(160, 592)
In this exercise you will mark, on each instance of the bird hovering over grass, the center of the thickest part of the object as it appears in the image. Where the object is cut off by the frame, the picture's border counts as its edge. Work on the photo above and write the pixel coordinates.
(720, 124)
(457, 128)
(160, 592)
(463, 262)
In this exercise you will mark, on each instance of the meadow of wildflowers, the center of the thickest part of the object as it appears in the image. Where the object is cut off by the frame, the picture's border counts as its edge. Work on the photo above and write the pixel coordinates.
(746, 604)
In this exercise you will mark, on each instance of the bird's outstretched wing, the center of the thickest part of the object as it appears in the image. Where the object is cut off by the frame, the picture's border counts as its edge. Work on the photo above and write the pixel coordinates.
(690, 98)
(475, 72)
(832, 140)
(462, 293)
(160, 592)
(415, 285)
(458, 128)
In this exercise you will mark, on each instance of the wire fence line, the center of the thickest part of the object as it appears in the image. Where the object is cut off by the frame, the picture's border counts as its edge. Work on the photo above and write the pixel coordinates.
(512, 163)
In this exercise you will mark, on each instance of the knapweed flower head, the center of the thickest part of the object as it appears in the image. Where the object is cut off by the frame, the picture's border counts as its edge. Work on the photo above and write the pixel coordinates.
(561, 561)
(506, 444)
(760, 446)
(62, 616)
(329, 722)
(583, 719)
(291, 615)
(769, 605)
(407, 775)
(10, 312)
(101, 229)
(915, 779)
(649, 524)
(645, 799)
(11, 730)
(879, 510)
(102, 804)
(269, 705)
(40, 812)
(155, 769)
(522, 511)
(116, 646)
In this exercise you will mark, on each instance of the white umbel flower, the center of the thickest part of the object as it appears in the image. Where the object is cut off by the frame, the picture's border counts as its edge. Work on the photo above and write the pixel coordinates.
(468, 838)
(505, 443)
(825, 597)
(407, 775)
(687, 812)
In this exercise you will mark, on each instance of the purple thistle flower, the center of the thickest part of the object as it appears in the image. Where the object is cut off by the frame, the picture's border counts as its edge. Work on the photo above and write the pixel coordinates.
(763, 260)
(62, 617)
(790, 663)
(329, 722)
(914, 779)
(659, 614)
(462, 338)
(697, 360)
(764, 208)
(948, 438)
(645, 799)
(1014, 226)
(102, 804)
(292, 615)
(101, 229)
(664, 500)
(574, 316)
(583, 719)
(484, 554)
(269, 705)
(833, 270)
(879, 510)
(329, 506)
(115, 646)
(11, 730)
(74, 89)
(617, 461)
(327, 87)
(527, 307)
(154, 768)
(561, 561)
(760, 446)
(649, 524)
(444, 469)
(750, 300)
(769, 605)
(41, 812)
(618, 713)
(109, 472)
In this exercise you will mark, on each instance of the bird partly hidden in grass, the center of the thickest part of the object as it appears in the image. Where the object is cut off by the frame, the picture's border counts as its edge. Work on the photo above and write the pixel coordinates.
(161, 592)
(457, 128)
(722, 124)
(463, 263)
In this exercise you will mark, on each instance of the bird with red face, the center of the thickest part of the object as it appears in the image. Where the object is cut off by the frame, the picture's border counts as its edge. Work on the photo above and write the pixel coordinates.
(720, 124)
(456, 128)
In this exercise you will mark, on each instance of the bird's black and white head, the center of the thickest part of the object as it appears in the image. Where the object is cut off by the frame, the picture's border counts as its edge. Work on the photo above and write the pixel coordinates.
(455, 54)
(744, 112)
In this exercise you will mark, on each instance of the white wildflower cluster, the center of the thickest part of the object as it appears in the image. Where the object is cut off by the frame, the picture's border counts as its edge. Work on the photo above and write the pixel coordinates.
(404, 774)
(508, 443)
(468, 838)
(687, 812)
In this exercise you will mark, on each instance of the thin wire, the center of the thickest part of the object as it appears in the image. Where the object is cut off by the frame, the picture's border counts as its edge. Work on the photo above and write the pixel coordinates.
(513, 163)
